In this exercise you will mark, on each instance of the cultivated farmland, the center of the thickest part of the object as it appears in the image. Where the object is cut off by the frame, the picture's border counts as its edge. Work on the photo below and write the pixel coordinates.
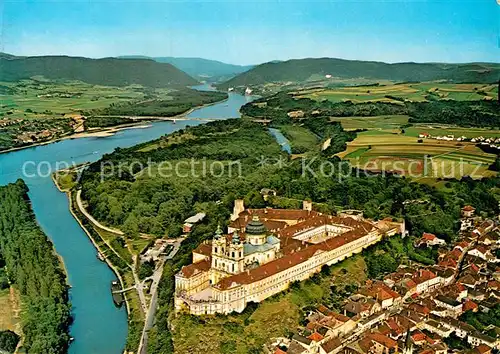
(397, 93)
(380, 150)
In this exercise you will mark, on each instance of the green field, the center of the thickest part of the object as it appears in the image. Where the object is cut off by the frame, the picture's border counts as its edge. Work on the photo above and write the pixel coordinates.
(35, 99)
(392, 123)
(439, 129)
(401, 92)
(301, 139)
(380, 150)
(397, 123)
(38, 110)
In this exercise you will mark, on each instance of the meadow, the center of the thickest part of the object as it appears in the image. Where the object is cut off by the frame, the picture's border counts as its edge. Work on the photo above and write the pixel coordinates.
(300, 138)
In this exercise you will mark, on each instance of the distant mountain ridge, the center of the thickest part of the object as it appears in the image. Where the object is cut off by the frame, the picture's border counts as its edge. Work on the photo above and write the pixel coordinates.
(105, 71)
(300, 70)
(200, 68)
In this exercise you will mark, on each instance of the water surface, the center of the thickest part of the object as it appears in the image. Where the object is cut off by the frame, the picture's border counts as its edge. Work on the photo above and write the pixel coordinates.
(99, 327)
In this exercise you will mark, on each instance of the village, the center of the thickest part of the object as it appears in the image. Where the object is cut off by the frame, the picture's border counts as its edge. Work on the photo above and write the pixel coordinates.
(492, 141)
(417, 309)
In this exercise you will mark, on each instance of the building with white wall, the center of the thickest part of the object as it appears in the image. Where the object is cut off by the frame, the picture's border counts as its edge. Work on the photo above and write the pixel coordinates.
(250, 263)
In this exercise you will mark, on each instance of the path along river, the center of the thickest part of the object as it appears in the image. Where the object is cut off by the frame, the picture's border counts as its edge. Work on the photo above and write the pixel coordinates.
(99, 327)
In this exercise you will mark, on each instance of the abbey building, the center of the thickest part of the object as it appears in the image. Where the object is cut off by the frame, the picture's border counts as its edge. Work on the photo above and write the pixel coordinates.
(267, 249)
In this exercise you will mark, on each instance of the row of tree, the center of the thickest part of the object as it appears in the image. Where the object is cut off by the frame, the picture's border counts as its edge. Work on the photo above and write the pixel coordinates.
(35, 270)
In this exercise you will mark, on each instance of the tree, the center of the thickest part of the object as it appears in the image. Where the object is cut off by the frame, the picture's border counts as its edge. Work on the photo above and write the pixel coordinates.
(254, 200)
(8, 341)
(35, 270)
(131, 226)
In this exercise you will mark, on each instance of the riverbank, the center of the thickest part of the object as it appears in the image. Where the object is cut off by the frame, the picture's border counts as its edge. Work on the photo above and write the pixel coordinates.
(110, 131)
(96, 245)
(28, 250)
(104, 133)
(135, 301)
(98, 326)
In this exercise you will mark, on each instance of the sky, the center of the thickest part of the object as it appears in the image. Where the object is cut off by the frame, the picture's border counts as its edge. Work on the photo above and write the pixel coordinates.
(252, 32)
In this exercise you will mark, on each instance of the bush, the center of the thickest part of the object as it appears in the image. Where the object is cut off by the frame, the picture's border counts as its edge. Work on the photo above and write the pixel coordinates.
(8, 341)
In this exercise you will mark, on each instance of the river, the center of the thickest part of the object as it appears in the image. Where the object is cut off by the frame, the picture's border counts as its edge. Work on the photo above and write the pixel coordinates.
(99, 327)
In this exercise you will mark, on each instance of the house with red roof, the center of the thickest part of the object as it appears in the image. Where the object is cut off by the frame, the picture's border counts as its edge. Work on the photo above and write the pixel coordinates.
(429, 240)
(364, 307)
(335, 323)
(331, 346)
(448, 263)
(470, 305)
(316, 337)
(480, 251)
(419, 308)
(256, 261)
(483, 349)
(426, 281)
(382, 293)
(469, 280)
(468, 211)
(462, 245)
(376, 343)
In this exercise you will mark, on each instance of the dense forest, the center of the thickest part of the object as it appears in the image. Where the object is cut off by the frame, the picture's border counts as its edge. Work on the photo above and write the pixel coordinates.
(106, 71)
(4, 280)
(35, 270)
(141, 200)
(301, 70)
(156, 205)
(144, 201)
(463, 113)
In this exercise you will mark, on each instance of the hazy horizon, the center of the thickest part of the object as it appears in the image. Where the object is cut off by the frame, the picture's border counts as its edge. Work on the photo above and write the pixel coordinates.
(250, 33)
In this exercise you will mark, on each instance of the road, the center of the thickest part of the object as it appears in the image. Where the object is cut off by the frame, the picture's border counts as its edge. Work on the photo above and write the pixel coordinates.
(91, 218)
(153, 305)
(140, 286)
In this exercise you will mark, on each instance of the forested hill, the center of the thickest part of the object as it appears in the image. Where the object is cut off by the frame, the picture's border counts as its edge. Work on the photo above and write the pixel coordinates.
(107, 71)
(202, 69)
(36, 272)
(299, 70)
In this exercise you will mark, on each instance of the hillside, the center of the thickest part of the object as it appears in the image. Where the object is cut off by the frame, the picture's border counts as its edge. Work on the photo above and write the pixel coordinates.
(300, 70)
(106, 71)
(202, 69)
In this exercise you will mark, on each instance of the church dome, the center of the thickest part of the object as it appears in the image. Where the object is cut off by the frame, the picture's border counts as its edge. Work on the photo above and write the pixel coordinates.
(255, 227)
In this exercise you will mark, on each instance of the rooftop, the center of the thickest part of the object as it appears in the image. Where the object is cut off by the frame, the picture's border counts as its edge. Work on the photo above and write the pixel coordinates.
(195, 218)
